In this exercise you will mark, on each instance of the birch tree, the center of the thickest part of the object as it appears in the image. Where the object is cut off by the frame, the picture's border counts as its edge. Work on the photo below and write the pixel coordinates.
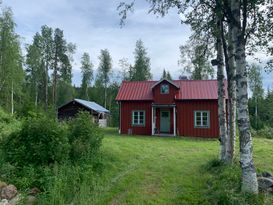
(256, 87)
(11, 71)
(87, 75)
(35, 69)
(104, 71)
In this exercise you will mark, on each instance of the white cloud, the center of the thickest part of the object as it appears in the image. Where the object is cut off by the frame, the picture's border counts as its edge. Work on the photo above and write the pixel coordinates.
(94, 25)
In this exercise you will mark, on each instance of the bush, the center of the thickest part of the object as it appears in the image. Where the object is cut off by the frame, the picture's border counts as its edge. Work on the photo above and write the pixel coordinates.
(8, 124)
(84, 137)
(41, 141)
(266, 132)
(223, 185)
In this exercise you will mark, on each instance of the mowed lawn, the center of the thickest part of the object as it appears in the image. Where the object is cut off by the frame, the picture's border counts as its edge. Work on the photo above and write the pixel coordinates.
(162, 170)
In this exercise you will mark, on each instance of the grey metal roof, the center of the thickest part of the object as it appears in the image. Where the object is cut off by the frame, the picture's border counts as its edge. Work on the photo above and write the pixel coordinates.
(92, 105)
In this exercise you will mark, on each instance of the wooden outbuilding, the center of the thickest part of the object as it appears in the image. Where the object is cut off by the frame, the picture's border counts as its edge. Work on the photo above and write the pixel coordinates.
(170, 108)
(70, 109)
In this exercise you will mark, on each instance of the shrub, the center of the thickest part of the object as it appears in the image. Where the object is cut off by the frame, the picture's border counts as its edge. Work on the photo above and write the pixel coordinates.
(40, 141)
(266, 132)
(8, 124)
(84, 136)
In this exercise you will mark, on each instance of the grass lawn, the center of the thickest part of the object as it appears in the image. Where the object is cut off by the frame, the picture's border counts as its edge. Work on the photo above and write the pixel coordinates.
(157, 170)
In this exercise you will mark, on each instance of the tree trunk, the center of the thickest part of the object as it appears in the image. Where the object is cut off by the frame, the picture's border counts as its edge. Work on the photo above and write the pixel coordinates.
(54, 86)
(221, 92)
(36, 94)
(105, 94)
(256, 112)
(231, 78)
(249, 177)
(46, 86)
(12, 101)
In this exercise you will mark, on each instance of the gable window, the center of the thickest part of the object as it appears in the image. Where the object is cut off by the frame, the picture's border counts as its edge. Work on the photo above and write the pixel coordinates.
(164, 89)
(138, 118)
(201, 119)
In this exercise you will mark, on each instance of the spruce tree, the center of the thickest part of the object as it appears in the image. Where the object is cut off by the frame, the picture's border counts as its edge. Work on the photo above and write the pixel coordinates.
(141, 68)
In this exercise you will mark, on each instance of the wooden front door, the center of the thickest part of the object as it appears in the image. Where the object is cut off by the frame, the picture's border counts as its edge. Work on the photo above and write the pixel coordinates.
(165, 121)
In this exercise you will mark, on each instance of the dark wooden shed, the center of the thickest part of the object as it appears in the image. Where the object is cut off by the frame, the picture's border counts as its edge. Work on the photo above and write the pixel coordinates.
(70, 109)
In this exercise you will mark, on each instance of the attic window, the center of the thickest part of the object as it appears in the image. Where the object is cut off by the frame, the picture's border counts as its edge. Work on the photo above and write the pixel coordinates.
(164, 89)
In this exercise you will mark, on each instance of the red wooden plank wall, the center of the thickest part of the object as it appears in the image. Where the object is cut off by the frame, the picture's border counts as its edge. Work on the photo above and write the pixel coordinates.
(126, 117)
(185, 118)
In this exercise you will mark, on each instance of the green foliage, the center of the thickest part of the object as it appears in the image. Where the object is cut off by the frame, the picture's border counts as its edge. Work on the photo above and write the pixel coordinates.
(166, 75)
(263, 108)
(223, 185)
(87, 75)
(265, 132)
(69, 184)
(8, 124)
(85, 137)
(11, 70)
(141, 69)
(194, 59)
(103, 75)
(41, 141)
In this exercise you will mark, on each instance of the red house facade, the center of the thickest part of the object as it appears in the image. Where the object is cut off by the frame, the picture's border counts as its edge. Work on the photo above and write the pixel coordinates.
(179, 107)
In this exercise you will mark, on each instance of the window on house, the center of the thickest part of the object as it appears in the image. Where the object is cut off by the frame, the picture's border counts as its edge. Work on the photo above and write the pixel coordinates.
(201, 119)
(164, 89)
(138, 118)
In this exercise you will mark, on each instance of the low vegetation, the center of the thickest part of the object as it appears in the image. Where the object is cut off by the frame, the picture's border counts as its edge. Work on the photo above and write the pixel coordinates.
(121, 169)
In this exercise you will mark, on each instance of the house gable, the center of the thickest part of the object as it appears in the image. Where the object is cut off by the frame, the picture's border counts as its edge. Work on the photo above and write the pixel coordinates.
(164, 92)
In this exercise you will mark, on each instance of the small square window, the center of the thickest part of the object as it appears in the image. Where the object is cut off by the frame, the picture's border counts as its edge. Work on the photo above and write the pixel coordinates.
(164, 89)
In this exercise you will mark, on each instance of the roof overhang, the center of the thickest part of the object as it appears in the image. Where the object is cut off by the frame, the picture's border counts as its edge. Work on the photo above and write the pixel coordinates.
(164, 79)
(163, 105)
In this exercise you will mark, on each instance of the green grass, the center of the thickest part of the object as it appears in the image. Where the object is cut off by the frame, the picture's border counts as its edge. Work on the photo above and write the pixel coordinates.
(162, 170)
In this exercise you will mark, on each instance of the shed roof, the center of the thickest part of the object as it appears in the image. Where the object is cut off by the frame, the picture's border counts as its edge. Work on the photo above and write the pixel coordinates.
(188, 90)
(89, 105)
(92, 105)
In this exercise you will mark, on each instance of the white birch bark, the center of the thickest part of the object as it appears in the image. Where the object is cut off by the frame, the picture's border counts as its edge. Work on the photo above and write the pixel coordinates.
(231, 79)
(221, 91)
(249, 177)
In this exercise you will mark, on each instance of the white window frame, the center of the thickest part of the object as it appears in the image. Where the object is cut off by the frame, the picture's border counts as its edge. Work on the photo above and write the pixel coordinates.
(202, 125)
(138, 118)
(161, 89)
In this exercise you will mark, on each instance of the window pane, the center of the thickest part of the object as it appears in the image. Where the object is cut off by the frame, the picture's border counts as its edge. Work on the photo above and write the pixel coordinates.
(165, 114)
(198, 114)
(164, 89)
(205, 114)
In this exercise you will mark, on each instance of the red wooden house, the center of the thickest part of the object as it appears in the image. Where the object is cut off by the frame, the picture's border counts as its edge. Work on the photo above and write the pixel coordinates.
(179, 107)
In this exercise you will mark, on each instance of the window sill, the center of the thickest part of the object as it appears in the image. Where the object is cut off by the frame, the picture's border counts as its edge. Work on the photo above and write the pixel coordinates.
(138, 125)
(204, 127)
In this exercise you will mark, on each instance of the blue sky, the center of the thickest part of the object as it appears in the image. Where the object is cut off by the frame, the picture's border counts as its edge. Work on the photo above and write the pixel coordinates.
(94, 25)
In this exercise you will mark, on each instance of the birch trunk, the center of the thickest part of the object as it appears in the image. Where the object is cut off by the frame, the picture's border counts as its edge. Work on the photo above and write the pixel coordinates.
(249, 177)
(46, 86)
(221, 92)
(231, 79)
(105, 94)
